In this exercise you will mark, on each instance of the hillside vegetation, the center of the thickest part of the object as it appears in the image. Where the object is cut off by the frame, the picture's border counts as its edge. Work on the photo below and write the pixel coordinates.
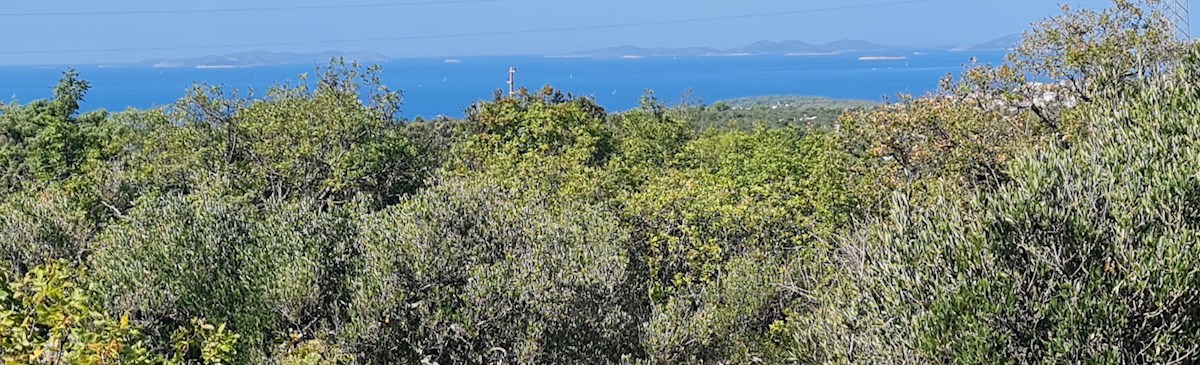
(774, 112)
(1046, 210)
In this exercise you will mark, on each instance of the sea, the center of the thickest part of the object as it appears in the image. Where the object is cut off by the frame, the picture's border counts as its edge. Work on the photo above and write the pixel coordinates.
(447, 86)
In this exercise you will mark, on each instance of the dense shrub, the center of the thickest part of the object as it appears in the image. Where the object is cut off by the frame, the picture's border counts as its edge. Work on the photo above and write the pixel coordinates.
(544, 123)
(1087, 255)
(646, 139)
(319, 141)
(470, 272)
(46, 141)
(717, 230)
(267, 274)
(37, 228)
(47, 318)
(1040, 211)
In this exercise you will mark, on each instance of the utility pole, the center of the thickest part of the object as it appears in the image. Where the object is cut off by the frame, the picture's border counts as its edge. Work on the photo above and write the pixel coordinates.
(1178, 12)
(512, 79)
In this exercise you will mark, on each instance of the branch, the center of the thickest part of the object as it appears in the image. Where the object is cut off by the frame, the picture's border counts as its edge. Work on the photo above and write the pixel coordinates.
(116, 212)
(1041, 113)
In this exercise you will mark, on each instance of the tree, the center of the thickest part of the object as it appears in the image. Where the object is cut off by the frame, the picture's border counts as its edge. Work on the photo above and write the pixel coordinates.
(1086, 255)
(962, 137)
(1078, 57)
(545, 123)
(45, 141)
(51, 166)
(321, 141)
(646, 140)
(1099, 51)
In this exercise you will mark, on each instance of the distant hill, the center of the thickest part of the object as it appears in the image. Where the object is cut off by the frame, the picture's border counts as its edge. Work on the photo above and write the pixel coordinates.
(1000, 44)
(261, 58)
(851, 45)
(766, 47)
(629, 51)
(769, 47)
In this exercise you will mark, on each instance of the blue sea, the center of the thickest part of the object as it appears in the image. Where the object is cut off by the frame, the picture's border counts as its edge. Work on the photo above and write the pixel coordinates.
(437, 86)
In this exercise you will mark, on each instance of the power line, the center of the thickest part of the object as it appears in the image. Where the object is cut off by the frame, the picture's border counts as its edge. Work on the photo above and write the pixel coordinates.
(239, 10)
(1179, 14)
(481, 34)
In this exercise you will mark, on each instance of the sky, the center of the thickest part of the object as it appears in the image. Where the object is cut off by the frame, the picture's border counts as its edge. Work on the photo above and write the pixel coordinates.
(96, 32)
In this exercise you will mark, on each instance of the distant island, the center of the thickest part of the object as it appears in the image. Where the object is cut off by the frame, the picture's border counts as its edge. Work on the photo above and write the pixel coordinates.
(260, 58)
(874, 52)
(788, 47)
(785, 48)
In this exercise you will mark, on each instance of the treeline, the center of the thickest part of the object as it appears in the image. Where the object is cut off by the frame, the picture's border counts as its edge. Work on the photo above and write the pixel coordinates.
(1002, 219)
(773, 112)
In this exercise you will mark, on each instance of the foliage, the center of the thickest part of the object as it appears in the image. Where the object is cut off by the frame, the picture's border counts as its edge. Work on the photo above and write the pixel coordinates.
(1039, 211)
(317, 141)
(549, 141)
(260, 272)
(470, 272)
(718, 229)
(45, 141)
(52, 168)
(545, 123)
(936, 146)
(213, 344)
(37, 228)
(647, 138)
(47, 317)
(1098, 51)
(312, 352)
(776, 111)
(1086, 255)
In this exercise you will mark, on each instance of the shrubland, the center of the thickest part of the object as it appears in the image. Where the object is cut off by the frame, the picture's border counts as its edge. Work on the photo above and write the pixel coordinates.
(1044, 210)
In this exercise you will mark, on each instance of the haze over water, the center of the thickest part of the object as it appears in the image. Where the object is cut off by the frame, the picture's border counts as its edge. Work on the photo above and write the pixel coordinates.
(433, 86)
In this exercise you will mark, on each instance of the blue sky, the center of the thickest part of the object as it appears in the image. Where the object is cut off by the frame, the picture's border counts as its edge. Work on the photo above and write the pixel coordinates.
(106, 32)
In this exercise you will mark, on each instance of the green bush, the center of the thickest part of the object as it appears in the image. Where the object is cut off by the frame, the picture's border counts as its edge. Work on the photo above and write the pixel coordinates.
(646, 139)
(40, 228)
(267, 274)
(545, 123)
(988, 222)
(47, 317)
(45, 141)
(312, 352)
(1087, 255)
(718, 228)
(318, 141)
(469, 272)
